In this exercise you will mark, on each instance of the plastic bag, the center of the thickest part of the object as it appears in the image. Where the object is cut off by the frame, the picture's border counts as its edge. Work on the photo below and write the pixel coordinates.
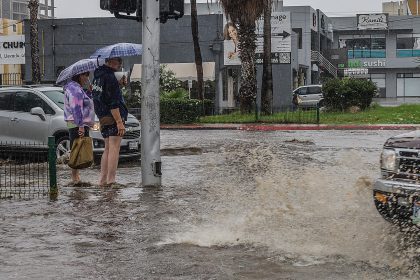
(81, 155)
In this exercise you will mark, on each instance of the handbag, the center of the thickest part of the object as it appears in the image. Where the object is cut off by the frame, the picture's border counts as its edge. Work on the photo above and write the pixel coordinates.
(81, 154)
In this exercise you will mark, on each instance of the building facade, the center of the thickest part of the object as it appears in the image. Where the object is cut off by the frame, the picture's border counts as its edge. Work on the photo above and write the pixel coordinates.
(387, 53)
(64, 41)
(18, 9)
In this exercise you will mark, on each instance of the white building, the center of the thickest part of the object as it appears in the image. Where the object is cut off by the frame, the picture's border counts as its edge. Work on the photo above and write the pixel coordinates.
(18, 9)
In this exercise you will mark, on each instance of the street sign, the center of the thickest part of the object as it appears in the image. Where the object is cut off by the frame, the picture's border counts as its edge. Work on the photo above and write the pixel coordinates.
(281, 28)
(281, 39)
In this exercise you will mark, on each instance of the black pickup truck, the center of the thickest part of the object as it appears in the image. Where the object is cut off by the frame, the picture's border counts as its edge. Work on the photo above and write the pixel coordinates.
(397, 192)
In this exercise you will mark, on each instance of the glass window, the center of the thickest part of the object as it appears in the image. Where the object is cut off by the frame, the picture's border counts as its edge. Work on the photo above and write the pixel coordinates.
(6, 101)
(408, 85)
(25, 101)
(303, 91)
(363, 46)
(314, 90)
(408, 45)
(56, 96)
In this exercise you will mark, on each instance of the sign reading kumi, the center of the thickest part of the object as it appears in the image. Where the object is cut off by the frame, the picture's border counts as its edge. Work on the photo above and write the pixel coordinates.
(372, 21)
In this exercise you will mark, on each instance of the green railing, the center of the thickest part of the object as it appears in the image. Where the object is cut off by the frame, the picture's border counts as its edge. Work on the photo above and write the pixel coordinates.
(28, 170)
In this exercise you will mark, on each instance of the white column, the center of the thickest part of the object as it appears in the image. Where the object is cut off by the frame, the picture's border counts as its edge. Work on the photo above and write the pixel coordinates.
(150, 104)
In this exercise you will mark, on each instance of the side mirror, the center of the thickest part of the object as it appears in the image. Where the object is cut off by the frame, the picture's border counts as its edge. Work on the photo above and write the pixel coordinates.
(38, 111)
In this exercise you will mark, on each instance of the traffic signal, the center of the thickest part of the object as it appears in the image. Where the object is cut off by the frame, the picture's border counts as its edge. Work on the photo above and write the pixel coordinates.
(169, 9)
(119, 6)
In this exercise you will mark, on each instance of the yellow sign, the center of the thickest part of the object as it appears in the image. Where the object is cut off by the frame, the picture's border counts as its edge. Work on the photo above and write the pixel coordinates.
(414, 7)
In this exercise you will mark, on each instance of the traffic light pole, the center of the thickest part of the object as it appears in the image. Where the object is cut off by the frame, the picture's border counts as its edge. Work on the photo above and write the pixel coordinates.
(150, 103)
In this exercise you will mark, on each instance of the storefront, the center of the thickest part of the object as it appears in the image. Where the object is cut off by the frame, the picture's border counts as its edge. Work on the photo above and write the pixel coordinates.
(383, 49)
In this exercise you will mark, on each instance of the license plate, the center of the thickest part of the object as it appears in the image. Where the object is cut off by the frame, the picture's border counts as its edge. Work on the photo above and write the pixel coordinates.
(133, 145)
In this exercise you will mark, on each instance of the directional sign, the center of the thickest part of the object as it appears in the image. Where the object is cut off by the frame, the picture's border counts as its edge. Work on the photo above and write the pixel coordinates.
(281, 28)
(281, 40)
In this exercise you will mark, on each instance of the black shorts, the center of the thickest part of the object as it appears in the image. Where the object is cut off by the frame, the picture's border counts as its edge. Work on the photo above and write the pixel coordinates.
(109, 130)
(74, 133)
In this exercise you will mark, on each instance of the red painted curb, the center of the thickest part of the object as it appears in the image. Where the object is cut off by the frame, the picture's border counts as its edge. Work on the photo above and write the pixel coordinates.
(277, 127)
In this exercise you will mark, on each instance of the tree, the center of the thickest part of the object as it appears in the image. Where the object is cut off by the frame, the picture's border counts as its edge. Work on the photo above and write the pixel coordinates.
(197, 50)
(267, 78)
(244, 13)
(33, 11)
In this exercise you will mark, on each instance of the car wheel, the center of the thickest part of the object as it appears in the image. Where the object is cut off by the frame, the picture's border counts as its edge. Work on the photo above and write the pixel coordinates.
(62, 150)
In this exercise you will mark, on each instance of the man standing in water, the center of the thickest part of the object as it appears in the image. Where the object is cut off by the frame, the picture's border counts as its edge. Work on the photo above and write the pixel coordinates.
(112, 113)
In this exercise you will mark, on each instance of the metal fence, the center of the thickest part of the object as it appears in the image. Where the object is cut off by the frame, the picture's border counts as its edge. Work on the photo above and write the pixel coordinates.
(27, 170)
(11, 79)
(280, 115)
(293, 115)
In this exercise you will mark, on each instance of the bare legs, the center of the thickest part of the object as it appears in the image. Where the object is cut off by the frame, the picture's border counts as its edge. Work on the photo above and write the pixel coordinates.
(75, 176)
(109, 160)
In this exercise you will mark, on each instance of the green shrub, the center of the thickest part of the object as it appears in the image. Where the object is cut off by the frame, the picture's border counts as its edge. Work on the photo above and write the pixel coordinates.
(179, 110)
(167, 80)
(178, 93)
(345, 93)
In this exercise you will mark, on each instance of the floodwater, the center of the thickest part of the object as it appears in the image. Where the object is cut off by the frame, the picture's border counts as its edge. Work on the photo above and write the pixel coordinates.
(234, 205)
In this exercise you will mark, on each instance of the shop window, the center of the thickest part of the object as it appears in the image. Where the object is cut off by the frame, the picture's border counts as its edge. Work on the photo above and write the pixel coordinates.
(408, 45)
(408, 85)
(363, 46)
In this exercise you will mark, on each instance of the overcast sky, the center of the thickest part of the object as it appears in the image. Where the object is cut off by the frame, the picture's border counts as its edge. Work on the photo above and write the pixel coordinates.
(90, 8)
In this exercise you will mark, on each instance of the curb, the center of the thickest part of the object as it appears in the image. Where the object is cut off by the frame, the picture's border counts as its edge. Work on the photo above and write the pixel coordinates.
(280, 127)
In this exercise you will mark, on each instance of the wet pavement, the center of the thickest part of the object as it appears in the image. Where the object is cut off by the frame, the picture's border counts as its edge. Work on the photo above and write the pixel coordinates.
(234, 205)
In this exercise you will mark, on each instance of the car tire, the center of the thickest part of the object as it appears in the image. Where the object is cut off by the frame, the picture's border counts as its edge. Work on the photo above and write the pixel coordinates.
(62, 149)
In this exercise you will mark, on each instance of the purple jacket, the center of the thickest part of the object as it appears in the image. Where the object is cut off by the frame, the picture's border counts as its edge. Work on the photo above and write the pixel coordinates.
(78, 105)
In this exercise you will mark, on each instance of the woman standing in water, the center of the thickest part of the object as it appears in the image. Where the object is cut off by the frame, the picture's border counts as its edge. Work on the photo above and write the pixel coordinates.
(78, 111)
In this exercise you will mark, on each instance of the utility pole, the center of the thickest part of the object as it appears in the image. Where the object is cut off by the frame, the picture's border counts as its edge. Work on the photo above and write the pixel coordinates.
(150, 104)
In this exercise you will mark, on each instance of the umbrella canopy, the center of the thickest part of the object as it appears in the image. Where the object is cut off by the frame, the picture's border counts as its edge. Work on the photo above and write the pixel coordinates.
(79, 67)
(118, 50)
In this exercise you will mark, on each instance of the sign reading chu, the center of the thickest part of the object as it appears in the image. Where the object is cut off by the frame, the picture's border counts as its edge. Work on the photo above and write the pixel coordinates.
(12, 49)
(372, 21)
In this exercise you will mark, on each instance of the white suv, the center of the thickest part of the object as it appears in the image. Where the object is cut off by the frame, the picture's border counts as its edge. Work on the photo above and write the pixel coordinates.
(308, 96)
(30, 114)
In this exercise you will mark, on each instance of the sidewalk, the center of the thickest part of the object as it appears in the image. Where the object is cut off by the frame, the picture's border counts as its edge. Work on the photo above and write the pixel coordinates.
(276, 127)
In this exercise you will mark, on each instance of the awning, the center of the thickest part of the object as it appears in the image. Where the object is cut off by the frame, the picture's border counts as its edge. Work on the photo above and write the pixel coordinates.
(183, 71)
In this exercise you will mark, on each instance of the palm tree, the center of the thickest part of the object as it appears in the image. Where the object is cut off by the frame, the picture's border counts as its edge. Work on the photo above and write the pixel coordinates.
(197, 50)
(244, 13)
(267, 78)
(33, 11)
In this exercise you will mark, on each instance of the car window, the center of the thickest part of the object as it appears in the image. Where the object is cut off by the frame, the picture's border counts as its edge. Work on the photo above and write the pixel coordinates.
(6, 101)
(303, 91)
(25, 101)
(314, 90)
(56, 96)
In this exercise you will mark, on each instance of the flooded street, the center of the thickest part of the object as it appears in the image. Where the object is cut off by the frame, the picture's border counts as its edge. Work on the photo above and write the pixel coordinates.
(234, 205)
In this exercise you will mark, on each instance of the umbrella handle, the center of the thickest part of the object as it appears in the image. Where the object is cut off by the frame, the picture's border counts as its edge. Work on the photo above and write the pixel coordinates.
(97, 60)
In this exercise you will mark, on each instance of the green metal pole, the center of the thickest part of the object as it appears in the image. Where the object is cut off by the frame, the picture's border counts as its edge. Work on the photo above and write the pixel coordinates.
(317, 114)
(52, 160)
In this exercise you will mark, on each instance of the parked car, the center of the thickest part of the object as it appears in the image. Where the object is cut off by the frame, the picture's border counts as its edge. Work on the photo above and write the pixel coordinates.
(30, 114)
(397, 192)
(308, 96)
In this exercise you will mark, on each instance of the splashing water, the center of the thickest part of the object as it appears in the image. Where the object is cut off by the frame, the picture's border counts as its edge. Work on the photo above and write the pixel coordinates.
(305, 203)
